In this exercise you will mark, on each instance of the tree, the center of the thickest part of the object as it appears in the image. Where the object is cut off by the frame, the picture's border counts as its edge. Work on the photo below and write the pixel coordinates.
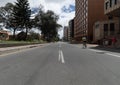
(37, 19)
(48, 24)
(5, 13)
(34, 36)
(21, 15)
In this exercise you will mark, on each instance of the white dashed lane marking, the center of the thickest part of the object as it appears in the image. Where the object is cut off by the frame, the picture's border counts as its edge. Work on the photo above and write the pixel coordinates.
(61, 57)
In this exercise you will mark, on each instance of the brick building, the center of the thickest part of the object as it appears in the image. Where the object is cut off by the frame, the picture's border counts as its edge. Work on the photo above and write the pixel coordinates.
(87, 13)
(71, 26)
(65, 33)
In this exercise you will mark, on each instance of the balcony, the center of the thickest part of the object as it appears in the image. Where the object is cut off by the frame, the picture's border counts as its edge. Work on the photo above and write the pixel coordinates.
(112, 8)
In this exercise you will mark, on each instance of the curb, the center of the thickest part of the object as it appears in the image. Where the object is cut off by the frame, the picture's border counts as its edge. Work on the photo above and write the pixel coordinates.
(18, 48)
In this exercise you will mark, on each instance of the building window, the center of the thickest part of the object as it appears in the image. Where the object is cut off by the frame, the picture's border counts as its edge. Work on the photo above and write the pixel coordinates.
(105, 29)
(110, 3)
(115, 2)
(107, 5)
(112, 28)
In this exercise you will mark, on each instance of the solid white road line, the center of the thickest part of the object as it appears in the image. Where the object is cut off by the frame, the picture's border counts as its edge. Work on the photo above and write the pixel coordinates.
(113, 55)
(60, 46)
(95, 50)
(61, 57)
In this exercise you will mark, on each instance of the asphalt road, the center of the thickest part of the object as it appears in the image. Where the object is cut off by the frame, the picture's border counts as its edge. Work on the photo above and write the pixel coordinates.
(60, 64)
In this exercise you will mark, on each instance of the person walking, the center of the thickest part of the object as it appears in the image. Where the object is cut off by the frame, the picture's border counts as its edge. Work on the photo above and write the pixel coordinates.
(84, 41)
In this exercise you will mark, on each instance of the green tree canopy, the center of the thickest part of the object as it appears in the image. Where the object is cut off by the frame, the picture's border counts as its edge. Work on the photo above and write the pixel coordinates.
(21, 15)
(48, 24)
(5, 13)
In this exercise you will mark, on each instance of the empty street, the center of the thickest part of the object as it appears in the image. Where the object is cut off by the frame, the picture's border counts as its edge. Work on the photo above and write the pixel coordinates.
(60, 64)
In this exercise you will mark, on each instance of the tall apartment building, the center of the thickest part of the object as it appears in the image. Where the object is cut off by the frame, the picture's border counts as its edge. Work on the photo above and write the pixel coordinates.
(71, 26)
(66, 33)
(87, 13)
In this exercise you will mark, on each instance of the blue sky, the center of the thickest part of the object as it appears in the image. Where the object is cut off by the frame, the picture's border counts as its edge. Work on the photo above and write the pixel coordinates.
(69, 9)
(64, 9)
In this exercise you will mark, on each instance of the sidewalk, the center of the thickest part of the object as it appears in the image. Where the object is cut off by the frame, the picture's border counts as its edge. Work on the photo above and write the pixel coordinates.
(89, 45)
(105, 48)
(100, 47)
(92, 45)
(17, 48)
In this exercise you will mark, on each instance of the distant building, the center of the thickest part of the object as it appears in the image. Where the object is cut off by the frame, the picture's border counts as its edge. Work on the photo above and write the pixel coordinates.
(87, 13)
(69, 34)
(71, 27)
(66, 33)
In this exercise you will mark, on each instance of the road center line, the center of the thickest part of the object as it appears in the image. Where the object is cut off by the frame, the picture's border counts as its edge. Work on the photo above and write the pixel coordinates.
(59, 46)
(61, 57)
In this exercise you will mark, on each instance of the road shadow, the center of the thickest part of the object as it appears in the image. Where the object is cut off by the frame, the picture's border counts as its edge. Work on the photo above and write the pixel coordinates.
(111, 49)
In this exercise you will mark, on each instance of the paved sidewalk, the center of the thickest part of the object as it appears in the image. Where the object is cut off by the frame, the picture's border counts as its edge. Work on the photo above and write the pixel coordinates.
(100, 47)
(17, 48)
(105, 48)
(92, 45)
(89, 45)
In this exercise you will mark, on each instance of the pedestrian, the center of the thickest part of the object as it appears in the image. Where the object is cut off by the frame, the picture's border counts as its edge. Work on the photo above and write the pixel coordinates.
(84, 40)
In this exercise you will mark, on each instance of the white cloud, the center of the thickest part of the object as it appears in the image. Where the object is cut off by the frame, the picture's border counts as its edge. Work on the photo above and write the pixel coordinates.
(54, 5)
(64, 21)
(54, 1)
(3, 2)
